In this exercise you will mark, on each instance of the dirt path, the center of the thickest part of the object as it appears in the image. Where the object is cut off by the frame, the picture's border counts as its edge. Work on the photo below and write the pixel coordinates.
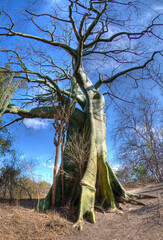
(137, 222)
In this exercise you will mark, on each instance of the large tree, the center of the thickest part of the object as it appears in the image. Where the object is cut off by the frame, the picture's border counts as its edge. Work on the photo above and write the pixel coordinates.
(139, 128)
(73, 50)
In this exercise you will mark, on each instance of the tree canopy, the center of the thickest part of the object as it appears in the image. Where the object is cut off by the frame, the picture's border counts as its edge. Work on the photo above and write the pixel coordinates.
(90, 33)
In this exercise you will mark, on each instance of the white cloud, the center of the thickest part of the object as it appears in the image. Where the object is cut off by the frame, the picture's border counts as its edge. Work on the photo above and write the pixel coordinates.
(48, 165)
(35, 124)
(116, 167)
(158, 8)
(23, 156)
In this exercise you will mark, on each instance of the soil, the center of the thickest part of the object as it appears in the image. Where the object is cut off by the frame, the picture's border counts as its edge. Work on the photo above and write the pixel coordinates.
(136, 222)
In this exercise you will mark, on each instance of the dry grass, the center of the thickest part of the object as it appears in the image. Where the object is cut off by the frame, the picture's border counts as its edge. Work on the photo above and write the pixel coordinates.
(137, 222)
(22, 223)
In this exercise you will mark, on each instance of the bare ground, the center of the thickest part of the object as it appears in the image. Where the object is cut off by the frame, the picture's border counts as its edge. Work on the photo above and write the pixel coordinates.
(136, 222)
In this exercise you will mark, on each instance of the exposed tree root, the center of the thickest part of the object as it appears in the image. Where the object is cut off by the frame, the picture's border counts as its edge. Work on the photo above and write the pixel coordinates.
(131, 198)
(139, 196)
(100, 208)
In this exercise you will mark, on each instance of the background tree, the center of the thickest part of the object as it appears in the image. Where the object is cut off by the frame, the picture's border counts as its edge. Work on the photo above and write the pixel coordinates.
(9, 177)
(26, 187)
(8, 88)
(63, 48)
(5, 142)
(44, 187)
(139, 128)
(6, 92)
(14, 176)
(124, 174)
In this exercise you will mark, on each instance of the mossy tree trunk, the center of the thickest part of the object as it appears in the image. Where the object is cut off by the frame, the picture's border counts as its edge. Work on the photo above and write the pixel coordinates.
(98, 185)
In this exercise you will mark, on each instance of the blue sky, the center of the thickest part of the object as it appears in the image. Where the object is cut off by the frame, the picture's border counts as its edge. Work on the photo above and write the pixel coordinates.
(34, 141)
(34, 138)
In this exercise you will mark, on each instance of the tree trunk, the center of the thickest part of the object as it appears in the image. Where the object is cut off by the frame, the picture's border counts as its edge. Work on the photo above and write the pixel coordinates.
(99, 185)
(55, 175)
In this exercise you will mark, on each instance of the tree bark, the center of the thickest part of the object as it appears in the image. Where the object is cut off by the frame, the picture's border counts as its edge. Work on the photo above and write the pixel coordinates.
(54, 176)
(98, 185)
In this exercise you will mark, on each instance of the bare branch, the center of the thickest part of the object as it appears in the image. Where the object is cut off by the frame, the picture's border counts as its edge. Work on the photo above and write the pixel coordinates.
(94, 22)
(12, 23)
(111, 79)
(48, 15)
(130, 35)
(10, 33)
(72, 21)
(8, 124)
(82, 23)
